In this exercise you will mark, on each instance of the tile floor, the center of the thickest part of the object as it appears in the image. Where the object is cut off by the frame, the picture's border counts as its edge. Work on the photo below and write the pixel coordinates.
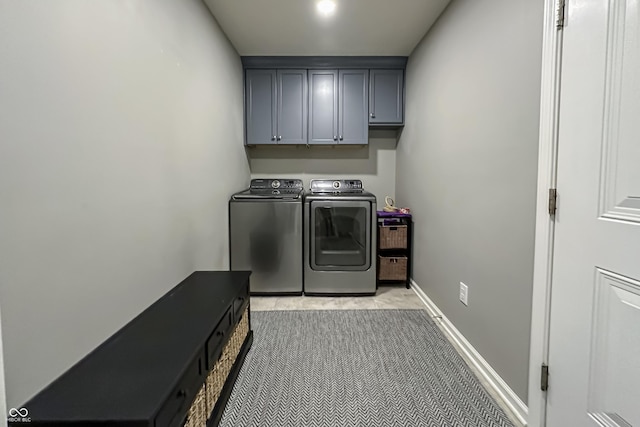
(387, 297)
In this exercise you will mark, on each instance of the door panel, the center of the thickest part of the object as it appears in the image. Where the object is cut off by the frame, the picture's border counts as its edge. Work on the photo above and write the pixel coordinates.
(620, 181)
(260, 92)
(594, 337)
(323, 106)
(614, 382)
(353, 106)
(292, 107)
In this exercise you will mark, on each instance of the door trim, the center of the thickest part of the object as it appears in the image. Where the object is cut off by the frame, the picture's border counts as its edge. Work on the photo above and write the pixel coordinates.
(545, 225)
(3, 396)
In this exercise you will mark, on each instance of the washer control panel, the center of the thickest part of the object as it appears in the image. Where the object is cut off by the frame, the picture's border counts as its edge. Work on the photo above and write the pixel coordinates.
(276, 184)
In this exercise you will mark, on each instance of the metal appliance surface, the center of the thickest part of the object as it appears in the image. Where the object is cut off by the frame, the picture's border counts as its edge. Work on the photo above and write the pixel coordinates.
(339, 242)
(265, 235)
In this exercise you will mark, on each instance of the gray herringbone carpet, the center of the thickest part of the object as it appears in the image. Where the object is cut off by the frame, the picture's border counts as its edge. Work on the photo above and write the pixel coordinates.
(369, 368)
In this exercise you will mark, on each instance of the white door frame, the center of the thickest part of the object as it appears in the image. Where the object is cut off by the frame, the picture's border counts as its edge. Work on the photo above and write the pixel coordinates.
(545, 227)
(3, 397)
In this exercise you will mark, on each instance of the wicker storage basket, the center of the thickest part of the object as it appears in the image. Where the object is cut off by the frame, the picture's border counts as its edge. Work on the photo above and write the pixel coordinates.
(197, 416)
(218, 375)
(392, 268)
(393, 236)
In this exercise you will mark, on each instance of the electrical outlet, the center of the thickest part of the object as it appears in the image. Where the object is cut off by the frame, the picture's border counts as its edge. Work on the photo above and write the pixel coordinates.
(464, 294)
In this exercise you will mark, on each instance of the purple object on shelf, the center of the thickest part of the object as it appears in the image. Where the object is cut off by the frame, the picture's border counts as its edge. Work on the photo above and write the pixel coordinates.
(383, 214)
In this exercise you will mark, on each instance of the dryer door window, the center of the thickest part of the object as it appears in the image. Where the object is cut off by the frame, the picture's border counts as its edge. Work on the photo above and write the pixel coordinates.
(340, 235)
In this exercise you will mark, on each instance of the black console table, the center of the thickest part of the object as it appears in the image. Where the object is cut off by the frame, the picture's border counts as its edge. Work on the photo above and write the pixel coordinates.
(173, 365)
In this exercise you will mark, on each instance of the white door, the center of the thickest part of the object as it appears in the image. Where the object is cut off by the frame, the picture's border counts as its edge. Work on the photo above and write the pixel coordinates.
(594, 359)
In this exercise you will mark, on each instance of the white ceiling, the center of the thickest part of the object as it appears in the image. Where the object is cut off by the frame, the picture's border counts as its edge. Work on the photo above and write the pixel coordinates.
(294, 28)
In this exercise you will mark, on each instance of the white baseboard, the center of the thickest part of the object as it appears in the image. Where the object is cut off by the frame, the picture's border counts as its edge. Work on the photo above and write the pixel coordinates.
(509, 397)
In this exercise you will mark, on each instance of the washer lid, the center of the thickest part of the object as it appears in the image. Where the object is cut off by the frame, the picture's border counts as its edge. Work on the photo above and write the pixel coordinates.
(269, 194)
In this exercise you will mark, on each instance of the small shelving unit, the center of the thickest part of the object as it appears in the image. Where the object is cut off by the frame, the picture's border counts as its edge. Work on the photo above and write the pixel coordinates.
(394, 248)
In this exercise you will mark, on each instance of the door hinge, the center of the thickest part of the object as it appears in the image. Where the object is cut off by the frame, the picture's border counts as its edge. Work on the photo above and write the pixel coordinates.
(553, 201)
(544, 377)
(560, 14)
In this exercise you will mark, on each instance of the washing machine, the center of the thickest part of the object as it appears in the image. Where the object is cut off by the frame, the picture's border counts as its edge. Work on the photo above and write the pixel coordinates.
(339, 238)
(265, 235)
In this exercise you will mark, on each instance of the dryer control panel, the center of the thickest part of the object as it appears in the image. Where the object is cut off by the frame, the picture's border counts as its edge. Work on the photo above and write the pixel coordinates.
(336, 186)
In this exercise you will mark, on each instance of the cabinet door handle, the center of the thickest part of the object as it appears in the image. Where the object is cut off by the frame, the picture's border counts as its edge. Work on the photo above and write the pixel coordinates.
(273, 138)
(372, 115)
(340, 137)
(335, 138)
(279, 137)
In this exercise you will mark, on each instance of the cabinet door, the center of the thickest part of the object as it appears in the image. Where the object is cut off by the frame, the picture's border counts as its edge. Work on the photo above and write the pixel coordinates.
(323, 106)
(386, 97)
(292, 107)
(260, 107)
(352, 107)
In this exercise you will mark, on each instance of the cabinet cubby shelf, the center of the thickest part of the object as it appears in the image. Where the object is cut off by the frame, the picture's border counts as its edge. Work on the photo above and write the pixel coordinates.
(394, 256)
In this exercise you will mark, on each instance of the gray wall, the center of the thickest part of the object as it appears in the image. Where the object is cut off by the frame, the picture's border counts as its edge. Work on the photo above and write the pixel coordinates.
(117, 119)
(374, 164)
(466, 165)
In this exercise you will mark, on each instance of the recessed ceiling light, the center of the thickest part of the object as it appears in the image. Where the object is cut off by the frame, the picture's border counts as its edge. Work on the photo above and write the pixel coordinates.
(326, 7)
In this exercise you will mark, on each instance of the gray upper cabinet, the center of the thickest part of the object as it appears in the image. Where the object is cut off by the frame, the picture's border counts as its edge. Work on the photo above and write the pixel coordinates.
(353, 106)
(260, 107)
(338, 103)
(323, 106)
(292, 107)
(276, 106)
(386, 101)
